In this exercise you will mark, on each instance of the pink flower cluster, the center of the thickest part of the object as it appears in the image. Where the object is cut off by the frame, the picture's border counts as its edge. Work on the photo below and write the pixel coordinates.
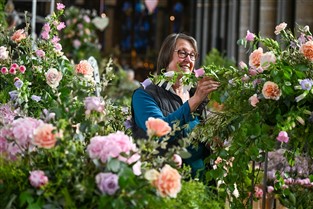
(114, 145)
(23, 134)
(13, 69)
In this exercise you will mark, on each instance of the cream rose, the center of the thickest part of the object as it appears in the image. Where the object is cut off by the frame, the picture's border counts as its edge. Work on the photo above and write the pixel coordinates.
(53, 77)
(266, 59)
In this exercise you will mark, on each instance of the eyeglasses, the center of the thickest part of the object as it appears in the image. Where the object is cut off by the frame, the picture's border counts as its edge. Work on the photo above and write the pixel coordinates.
(183, 54)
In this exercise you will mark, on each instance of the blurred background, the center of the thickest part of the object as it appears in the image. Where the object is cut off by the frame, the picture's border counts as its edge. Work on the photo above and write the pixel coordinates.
(131, 31)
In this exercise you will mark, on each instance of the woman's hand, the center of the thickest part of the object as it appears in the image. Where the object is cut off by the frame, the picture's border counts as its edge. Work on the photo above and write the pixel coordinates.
(205, 86)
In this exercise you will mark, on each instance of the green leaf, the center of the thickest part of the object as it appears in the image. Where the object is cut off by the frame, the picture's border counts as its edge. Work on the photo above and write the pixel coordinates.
(114, 165)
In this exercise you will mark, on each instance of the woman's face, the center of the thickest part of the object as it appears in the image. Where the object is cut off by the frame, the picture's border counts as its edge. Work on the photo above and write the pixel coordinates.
(182, 64)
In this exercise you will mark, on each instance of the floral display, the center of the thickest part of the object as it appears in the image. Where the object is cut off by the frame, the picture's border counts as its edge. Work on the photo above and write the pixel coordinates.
(63, 146)
(263, 106)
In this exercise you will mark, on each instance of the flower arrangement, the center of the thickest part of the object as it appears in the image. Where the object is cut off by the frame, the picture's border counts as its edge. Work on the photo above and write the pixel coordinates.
(260, 107)
(266, 105)
(61, 146)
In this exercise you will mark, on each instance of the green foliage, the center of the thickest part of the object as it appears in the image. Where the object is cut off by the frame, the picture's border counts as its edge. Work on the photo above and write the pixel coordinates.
(214, 57)
(194, 195)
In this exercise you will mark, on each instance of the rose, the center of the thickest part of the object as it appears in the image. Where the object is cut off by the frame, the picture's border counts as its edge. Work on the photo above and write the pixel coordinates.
(307, 50)
(255, 56)
(53, 77)
(266, 59)
(93, 103)
(84, 68)
(168, 182)
(23, 129)
(107, 183)
(254, 100)
(40, 53)
(157, 127)
(280, 27)
(271, 91)
(44, 136)
(18, 35)
(38, 178)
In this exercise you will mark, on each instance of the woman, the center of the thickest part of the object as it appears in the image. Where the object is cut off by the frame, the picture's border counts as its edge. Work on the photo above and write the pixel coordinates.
(178, 53)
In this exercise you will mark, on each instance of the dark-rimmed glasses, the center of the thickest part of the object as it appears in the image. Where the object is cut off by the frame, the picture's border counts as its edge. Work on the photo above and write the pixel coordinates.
(183, 54)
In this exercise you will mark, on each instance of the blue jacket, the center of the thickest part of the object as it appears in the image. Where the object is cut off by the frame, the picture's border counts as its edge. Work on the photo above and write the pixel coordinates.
(155, 101)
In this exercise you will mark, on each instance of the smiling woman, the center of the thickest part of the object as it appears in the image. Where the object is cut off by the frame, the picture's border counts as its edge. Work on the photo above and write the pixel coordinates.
(171, 102)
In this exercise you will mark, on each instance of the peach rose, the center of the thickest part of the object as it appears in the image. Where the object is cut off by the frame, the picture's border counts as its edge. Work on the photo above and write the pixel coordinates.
(255, 57)
(18, 35)
(168, 182)
(157, 127)
(271, 90)
(307, 50)
(53, 77)
(84, 68)
(44, 136)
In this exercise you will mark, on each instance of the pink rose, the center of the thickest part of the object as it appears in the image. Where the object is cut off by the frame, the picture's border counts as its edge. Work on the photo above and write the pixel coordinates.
(283, 137)
(254, 100)
(266, 59)
(44, 136)
(94, 103)
(307, 50)
(157, 127)
(84, 68)
(40, 53)
(95, 147)
(250, 36)
(18, 35)
(38, 178)
(280, 27)
(23, 129)
(255, 56)
(271, 91)
(258, 192)
(53, 77)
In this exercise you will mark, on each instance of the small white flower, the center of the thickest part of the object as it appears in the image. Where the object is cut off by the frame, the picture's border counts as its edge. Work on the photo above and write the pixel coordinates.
(169, 74)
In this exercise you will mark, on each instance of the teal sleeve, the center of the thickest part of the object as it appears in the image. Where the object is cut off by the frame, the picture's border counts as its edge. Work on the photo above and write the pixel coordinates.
(145, 106)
